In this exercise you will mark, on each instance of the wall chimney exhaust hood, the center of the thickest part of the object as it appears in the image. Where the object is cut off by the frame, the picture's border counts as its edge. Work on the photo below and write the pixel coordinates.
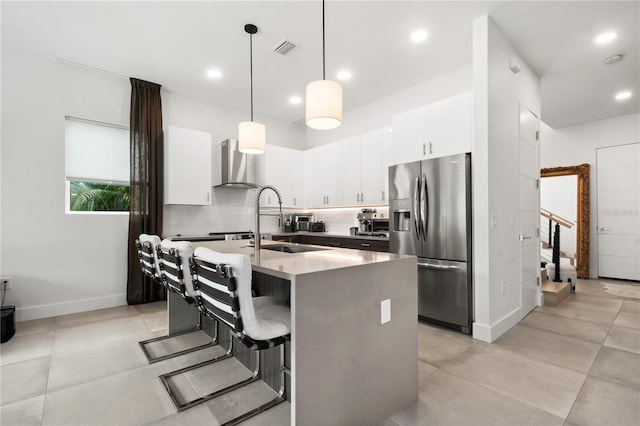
(232, 168)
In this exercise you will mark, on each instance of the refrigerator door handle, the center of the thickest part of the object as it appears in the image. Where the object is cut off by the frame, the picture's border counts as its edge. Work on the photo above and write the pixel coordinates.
(424, 204)
(440, 267)
(416, 207)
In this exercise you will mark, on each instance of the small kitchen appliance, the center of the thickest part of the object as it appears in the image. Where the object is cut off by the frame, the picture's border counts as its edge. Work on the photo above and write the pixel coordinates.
(372, 223)
(302, 221)
(318, 227)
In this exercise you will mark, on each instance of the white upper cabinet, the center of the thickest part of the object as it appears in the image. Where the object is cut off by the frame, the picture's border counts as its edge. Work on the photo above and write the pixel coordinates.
(187, 166)
(284, 169)
(351, 170)
(364, 168)
(323, 176)
(435, 130)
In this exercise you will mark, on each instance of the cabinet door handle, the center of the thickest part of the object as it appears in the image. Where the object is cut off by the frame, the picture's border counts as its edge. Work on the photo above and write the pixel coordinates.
(365, 245)
(357, 197)
(430, 148)
(424, 148)
(327, 199)
(208, 197)
(383, 195)
(294, 201)
(362, 197)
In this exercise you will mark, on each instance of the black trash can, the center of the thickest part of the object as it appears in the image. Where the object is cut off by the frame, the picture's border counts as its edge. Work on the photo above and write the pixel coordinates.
(7, 323)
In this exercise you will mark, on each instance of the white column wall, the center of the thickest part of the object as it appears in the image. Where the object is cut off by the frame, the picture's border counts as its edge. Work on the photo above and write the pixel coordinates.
(498, 94)
(60, 263)
(577, 144)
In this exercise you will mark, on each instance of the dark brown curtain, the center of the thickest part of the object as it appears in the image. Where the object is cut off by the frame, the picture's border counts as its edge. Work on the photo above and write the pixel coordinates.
(147, 166)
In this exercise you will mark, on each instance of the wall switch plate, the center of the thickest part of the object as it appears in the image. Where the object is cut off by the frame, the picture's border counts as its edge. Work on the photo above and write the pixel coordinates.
(494, 221)
(503, 283)
(385, 311)
(512, 221)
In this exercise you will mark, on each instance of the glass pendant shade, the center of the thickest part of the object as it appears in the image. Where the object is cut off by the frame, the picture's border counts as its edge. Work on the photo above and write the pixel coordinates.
(324, 104)
(251, 137)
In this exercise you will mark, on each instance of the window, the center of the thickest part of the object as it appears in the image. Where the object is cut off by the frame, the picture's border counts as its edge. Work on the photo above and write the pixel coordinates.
(96, 166)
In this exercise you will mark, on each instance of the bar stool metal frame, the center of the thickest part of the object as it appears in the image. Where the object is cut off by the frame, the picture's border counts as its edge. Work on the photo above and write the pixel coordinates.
(149, 252)
(218, 299)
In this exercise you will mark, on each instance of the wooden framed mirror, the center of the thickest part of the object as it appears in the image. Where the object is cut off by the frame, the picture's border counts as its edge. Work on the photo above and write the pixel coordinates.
(583, 212)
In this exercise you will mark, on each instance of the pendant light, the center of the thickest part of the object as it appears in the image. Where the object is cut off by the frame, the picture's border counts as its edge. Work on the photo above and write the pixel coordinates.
(324, 98)
(251, 135)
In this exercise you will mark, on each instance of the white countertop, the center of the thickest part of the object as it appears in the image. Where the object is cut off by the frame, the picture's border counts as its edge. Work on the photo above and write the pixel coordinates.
(288, 265)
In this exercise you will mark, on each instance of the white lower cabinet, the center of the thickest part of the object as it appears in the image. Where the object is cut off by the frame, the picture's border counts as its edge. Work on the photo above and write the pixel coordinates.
(187, 166)
(284, 169)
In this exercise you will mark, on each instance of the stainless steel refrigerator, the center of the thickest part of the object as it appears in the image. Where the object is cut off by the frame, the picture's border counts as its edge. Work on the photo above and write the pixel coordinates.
(430, 217)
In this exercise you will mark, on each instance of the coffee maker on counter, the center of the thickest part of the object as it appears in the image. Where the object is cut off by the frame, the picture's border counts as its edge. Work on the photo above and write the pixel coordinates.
(372, 223)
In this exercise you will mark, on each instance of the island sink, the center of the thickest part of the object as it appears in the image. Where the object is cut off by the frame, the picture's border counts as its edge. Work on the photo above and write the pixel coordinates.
(290, 249)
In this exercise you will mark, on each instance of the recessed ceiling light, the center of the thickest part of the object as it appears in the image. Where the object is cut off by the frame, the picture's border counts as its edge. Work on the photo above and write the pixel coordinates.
(419, 35)
(344, 75)
(213, 73)
(621, 96)
(606, 37)
(295, 100)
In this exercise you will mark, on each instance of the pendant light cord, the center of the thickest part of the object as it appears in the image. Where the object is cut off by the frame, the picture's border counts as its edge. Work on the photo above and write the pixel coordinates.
(323, 55)
(251, 70)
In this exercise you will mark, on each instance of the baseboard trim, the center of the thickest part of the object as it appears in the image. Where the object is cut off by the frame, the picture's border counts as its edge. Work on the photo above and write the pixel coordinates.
(44, 311)
(489, 333)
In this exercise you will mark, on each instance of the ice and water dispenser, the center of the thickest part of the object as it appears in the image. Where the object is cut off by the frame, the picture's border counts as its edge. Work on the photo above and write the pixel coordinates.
(401, 215)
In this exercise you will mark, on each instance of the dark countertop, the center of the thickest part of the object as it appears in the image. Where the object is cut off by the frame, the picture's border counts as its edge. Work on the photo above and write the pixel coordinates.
(329, 234)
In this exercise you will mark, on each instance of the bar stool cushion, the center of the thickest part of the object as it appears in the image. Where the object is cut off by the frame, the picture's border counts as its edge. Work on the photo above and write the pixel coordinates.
(264, 317)
(154, 240)
(185, 250)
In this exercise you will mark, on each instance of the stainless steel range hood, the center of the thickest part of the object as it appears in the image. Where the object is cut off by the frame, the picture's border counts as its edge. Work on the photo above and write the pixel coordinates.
(234, 169)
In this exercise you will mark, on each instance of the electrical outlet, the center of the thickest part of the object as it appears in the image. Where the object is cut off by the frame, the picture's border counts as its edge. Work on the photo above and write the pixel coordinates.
(502, 285)
(6, 283)
(385, 311)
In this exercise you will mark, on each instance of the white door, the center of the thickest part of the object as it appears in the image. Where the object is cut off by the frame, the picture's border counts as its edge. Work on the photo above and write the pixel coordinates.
(529, 211)
(618, 182)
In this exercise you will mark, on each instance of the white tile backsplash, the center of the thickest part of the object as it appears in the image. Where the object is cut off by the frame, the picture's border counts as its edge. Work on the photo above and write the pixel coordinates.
(234, 210)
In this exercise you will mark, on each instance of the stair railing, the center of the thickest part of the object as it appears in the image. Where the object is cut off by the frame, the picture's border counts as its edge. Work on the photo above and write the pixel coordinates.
(554, 237)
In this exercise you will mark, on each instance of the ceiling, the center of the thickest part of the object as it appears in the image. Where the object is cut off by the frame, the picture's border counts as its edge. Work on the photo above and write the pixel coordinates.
(175, 43)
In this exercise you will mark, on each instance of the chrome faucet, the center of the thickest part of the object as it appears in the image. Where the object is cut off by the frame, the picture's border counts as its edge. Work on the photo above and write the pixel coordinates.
(256, 236)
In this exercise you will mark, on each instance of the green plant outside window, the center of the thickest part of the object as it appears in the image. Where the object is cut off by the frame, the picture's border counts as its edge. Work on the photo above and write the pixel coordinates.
(90, 196)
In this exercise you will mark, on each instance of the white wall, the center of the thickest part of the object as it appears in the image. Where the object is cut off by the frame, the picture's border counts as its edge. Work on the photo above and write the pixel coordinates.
(498, 94)
(377, 114)
(573, 145)
(83, 266)
(59, 263)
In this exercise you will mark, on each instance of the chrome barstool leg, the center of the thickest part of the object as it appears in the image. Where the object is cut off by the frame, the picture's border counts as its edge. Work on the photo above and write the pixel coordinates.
(267, 405)
(183, 406)
(143, 344)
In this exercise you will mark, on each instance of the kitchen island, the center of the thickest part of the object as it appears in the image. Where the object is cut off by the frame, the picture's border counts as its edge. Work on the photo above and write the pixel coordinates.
(347, 367)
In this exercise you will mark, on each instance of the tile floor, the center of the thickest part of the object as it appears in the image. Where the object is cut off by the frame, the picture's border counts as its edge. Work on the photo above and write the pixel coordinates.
(576, 364)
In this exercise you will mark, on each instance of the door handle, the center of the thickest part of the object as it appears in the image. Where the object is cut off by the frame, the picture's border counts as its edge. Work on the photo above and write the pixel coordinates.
(603, 228)
(416, 207)
(524, 237)
(439, 267)
(424, 206)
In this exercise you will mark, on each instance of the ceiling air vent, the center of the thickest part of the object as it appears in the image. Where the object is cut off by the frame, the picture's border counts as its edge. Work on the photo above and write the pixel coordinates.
(284, 47)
